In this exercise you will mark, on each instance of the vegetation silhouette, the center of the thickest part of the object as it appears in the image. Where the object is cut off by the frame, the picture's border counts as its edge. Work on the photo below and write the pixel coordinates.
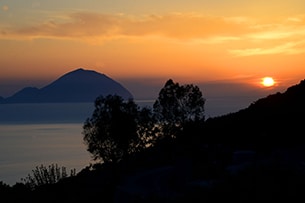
(119, 128)
(112, 132)
(43, 175)
(170, 153)
(178, 106)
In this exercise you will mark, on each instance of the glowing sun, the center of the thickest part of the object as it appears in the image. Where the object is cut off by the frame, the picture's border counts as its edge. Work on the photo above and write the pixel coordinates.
(268, 81)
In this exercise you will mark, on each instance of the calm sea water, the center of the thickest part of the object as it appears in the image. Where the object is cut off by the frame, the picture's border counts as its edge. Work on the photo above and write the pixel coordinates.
(35, 134)
(25, 146)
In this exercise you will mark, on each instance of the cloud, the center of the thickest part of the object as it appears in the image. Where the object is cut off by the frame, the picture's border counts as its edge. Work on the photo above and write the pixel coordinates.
(283, 37)
(286, 48)
(80, 25)
(277, 32)
(86, 25)
(243, 36)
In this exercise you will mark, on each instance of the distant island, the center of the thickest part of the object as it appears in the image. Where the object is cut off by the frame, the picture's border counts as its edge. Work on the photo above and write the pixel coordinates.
(76, 86)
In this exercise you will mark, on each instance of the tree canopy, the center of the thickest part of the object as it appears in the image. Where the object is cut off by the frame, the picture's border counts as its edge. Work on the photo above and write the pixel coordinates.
(178, 105)
(111, 131)
(119, 128)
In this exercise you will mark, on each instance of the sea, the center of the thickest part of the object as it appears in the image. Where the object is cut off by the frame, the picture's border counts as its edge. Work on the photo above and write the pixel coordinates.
(35, 134)
(32, 135)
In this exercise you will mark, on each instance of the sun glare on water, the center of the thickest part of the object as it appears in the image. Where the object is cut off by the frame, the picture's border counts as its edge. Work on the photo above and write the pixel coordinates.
(268, 81)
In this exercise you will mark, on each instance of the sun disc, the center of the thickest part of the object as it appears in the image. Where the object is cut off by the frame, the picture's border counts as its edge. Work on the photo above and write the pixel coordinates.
(268, 81)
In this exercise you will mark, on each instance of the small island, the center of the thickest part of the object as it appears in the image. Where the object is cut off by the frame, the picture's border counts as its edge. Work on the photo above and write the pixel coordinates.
(79, 85)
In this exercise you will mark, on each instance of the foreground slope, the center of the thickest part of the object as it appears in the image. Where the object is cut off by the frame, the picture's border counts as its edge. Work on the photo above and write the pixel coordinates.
(279, 116)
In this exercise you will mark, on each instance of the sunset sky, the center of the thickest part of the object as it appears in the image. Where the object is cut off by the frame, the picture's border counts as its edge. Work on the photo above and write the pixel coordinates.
(147, 42)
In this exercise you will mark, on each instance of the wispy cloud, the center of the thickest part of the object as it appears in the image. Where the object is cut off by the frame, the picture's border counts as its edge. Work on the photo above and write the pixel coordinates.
(176, 25)
(241, 35)
(286, 48)
(282, 37)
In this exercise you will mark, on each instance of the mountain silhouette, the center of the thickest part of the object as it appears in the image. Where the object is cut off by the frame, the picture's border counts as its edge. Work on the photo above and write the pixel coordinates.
(277, 117)
(76, 86)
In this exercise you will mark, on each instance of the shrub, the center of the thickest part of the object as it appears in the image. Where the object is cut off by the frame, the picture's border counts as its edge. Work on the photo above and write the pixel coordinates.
(43, 175)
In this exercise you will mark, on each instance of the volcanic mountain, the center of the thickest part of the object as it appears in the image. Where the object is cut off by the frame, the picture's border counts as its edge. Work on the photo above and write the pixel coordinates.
(76, 86)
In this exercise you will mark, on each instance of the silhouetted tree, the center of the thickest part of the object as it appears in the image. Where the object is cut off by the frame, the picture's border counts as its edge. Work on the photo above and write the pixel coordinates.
(177, 106)
(148, 129)
(117, 128)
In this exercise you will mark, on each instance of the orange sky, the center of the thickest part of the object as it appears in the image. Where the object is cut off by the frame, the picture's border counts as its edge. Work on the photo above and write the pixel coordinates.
(190, 41)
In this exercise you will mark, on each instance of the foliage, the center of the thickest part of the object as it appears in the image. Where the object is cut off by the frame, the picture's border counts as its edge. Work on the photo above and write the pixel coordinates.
(113, 130)
(148, 130)
(4, 187)
(119, 128)
(178, 105)
(43, 175)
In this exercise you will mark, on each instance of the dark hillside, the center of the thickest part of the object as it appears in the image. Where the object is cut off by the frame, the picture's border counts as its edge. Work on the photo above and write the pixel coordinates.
(278, 118)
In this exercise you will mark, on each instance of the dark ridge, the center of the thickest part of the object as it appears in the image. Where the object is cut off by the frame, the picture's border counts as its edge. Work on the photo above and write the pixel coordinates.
(273, 117)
